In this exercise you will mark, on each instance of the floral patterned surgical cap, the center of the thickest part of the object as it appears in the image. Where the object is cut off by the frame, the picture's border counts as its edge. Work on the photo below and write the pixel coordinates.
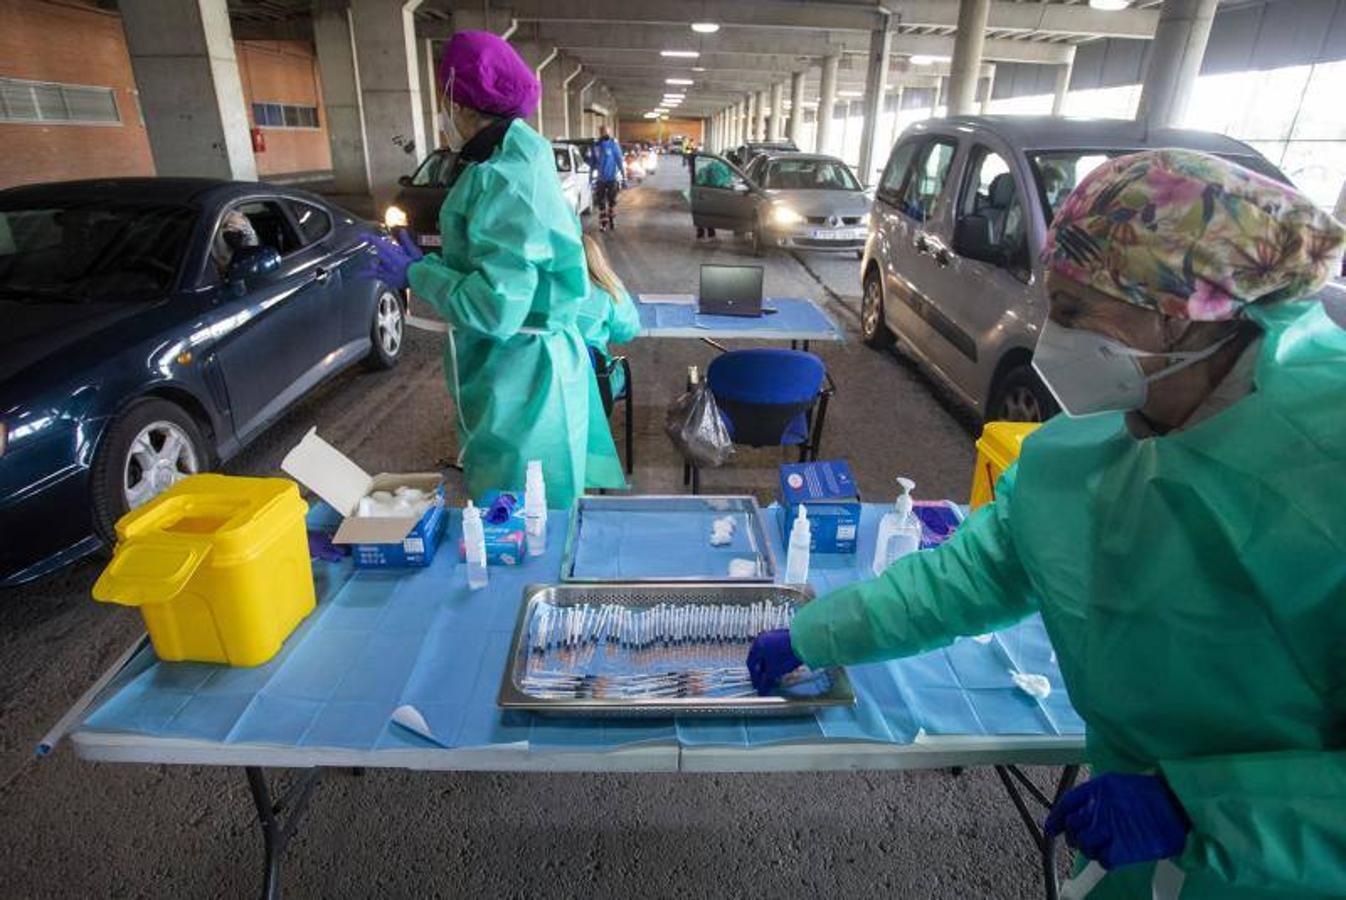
(1191, 236)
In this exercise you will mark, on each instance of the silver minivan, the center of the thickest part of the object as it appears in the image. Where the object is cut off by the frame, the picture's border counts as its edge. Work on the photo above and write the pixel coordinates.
(951, 263)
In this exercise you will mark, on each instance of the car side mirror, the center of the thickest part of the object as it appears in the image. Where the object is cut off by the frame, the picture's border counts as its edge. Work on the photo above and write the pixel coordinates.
(972, 238)
(252, 263)
(405, 181)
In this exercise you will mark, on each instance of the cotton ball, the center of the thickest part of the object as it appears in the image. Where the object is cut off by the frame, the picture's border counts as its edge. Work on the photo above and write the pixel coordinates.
(1031, 684)
(742, 568)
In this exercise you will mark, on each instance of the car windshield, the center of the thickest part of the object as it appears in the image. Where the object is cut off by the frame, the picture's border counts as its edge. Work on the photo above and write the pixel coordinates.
(96, 251)
(1058, 171)
(809, 175)
(434, 172)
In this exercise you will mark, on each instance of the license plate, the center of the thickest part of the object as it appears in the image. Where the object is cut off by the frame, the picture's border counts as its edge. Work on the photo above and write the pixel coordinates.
(431, 240)
(837, 234)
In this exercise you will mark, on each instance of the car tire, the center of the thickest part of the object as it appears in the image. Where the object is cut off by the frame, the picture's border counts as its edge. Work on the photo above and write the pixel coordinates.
(1020, 396)
(136, 462)
(873, 327)
(758, 241)
(388, 330)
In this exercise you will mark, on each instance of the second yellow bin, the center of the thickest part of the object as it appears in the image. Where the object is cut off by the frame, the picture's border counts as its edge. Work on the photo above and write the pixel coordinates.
(997, 449)
(218, 566)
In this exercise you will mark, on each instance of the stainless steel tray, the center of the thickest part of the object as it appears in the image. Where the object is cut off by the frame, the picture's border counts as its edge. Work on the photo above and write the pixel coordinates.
(689, 559)
(819, 690)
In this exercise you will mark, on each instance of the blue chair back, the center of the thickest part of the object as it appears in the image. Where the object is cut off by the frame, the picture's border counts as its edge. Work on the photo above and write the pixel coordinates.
(764, 394)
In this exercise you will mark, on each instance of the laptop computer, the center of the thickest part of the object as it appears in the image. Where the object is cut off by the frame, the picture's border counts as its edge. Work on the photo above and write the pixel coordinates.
(731, 290)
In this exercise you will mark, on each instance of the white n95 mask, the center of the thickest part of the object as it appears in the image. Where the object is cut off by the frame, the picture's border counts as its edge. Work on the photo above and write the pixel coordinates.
(1088, 373)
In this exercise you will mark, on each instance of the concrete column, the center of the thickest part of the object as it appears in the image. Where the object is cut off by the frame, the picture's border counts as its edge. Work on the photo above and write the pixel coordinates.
(182, 54)
(575, 98)
(985, 106)
(569, 100)
(341, 98)
(1063, 72)
(750, 117)
(967, 49)
(939, 96)
(384, 37)
(551, 109)
(759, 125)
(797, 107)
(429, 62)
(897, 120)
(1175, 60)
(827, 101)
(777, 111)
(876, 84)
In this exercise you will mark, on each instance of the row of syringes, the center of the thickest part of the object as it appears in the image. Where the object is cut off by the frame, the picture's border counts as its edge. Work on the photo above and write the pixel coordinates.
(573, 627)
(728, 681)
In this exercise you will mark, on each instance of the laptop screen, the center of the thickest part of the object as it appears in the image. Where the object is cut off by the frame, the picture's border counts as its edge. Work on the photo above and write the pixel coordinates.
(739, 284)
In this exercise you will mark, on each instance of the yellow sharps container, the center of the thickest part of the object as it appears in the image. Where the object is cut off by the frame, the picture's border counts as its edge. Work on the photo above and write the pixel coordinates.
(997, 449)
(218, 566)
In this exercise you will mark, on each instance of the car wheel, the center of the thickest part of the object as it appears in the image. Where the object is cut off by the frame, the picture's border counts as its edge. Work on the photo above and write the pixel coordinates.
(387, 331)
(1020, 396)
(873, 327)
(151, 446)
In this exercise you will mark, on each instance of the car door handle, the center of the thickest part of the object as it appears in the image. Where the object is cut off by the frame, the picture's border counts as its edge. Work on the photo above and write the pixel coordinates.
(941, 255)
(321, 275)
(921, 244)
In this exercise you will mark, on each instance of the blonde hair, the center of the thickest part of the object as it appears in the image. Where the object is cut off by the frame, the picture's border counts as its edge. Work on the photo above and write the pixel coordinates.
(600, 270)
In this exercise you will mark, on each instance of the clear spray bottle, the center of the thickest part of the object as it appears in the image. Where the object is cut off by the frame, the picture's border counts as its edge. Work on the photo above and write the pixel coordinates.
(899, 530)
(474, 547)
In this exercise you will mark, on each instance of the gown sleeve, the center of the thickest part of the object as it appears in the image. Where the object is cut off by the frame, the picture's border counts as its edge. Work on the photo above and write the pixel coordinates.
(495, 295)
(1266, 820)
(625, 323)
(971, 584)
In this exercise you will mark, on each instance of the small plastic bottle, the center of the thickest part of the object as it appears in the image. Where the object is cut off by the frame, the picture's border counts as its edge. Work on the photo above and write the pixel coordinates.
(797, 557)
(474, 547)
(899, 530)
(535, 509)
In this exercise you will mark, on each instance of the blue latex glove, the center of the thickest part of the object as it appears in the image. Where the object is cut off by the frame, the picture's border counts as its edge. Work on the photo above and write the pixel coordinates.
(394, 258)
(320, 546)
(771, 658)
(1121, 819)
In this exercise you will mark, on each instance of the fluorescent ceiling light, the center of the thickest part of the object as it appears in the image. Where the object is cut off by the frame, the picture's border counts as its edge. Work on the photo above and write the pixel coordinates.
(850, 93)
(705, 27)
(924, 59)
(681, 54)
(698, 68)
(1109, 5)
(678, 81)
(650, 115)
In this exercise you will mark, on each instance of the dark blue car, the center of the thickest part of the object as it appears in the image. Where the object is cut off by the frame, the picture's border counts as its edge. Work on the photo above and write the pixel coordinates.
(151, 329)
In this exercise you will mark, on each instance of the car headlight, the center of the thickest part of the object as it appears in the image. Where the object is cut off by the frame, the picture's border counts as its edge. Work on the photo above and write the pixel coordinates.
(395, 217)
(784, 215)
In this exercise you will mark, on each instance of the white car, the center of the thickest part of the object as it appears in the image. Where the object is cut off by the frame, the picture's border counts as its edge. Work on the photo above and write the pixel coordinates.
(574, 174)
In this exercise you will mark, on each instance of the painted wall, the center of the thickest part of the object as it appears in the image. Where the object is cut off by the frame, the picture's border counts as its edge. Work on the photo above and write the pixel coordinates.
(285, 72)
(651, 130)
(72, 43)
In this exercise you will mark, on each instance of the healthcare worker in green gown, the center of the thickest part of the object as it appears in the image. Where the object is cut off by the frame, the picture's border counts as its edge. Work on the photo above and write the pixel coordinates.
(509, 281)
(609, 315)
(1182, 531)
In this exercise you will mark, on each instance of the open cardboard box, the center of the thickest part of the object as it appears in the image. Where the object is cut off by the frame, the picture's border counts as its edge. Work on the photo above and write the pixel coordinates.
(376, 542)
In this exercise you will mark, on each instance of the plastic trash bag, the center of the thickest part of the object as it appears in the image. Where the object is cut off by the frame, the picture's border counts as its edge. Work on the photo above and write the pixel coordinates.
(694, 425)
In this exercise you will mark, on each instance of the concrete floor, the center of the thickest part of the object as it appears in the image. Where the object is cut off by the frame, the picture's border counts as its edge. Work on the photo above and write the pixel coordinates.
(69, 828)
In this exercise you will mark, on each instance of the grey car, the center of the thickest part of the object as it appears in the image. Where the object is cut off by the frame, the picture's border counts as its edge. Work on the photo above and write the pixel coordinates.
(951, 264)
(800, 201)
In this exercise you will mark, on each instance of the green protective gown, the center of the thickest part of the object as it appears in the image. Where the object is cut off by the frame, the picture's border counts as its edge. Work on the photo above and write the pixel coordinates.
(510, 281)
(603, 320)
(1194, 588)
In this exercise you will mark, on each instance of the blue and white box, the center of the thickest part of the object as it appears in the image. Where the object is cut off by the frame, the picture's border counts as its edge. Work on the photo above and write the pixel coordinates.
(828, 491)
(376, 542)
